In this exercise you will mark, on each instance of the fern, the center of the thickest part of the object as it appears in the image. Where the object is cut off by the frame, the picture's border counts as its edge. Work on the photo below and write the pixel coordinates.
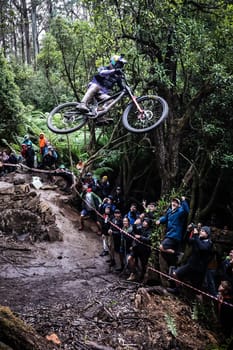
(171, 325)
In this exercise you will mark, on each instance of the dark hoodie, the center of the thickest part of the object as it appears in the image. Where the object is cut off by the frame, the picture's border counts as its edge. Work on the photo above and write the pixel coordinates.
(201, 251)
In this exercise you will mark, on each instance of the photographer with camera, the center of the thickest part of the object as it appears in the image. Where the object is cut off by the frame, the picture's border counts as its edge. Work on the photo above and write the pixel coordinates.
(194, 270)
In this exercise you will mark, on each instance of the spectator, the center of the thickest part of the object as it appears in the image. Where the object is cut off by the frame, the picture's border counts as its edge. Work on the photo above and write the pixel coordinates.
(13, 159)
(225, 231)
(27, 141)
(29, 156)
(118, 199)
(107, 202)
(4, 159)
(115, 233)
(80, 166)
(141, 250)
(67, 175)
(42, 143)
(90, 203)
(132, 214)
(175, 220)
(88, 181)
(23, 150)
(104, 223)
(50, 158)
(103, 187)
(137, 226)
(225, 311)
(195, 269)
(126, 240)
(150, 209)
(227, 268)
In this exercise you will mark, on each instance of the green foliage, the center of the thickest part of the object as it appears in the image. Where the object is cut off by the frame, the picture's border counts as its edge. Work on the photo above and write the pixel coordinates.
(171, 324)
(180, 50)
(11, 105)
(34, 89)
(203, 313)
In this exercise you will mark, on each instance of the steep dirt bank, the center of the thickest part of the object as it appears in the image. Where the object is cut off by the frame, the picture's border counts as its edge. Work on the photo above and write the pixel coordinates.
(66, 288)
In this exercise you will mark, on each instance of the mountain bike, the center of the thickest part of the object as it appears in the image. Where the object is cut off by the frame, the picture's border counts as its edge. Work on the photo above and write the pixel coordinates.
(142, 114)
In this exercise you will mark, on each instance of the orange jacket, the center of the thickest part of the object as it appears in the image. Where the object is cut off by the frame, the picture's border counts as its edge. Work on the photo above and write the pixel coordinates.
(42, 142)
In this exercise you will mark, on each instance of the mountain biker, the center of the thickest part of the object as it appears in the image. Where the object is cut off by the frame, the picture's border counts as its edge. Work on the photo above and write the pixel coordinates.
(103, 82)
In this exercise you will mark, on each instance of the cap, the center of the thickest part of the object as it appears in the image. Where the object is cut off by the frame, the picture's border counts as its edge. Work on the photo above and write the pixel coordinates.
(206, 229)
(117, 211)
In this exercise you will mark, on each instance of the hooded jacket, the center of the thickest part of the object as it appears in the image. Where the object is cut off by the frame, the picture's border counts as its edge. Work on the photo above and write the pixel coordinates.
(201, 253)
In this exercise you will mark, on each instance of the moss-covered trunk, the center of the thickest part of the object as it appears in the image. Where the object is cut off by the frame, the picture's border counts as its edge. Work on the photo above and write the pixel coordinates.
(17, 335)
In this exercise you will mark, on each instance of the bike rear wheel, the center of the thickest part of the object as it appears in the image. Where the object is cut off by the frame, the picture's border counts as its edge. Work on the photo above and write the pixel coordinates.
(154, 112)
(66, 118)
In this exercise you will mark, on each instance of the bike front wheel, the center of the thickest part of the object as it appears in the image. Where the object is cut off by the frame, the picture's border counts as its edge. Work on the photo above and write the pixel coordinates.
(65, 118)
(153, 111)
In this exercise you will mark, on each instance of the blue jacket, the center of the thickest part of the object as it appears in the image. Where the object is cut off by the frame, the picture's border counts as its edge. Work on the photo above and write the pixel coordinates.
(175, 221)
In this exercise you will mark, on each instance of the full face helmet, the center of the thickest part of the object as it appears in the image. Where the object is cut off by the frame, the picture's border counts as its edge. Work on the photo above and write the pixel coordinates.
(117, 61)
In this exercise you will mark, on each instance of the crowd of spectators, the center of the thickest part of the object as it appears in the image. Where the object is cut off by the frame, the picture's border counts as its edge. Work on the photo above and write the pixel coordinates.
(42, 155)
(127, 232)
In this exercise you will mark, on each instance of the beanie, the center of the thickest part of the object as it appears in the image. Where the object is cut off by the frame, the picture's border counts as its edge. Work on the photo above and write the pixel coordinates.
(206, 229)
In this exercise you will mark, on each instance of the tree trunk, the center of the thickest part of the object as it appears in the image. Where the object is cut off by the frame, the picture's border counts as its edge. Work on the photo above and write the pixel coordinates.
(34, 30)
(17, 335)
(26, 30)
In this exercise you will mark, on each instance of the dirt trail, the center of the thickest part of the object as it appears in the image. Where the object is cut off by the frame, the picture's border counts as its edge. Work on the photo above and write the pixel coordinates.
(67, 288)
(60, 269)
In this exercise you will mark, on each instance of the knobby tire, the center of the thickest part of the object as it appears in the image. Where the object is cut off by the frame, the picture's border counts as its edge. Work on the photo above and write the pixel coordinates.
(65, 119)
(155, 112)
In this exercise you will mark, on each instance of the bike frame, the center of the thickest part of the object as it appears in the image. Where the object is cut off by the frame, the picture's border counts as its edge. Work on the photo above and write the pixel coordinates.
(116, 98)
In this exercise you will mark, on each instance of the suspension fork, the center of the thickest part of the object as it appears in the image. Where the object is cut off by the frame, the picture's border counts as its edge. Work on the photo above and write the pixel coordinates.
(134, 99)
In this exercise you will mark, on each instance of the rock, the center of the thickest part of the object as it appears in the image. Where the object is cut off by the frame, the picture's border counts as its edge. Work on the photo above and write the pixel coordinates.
(6, 188)
(19, 180)
(24, 212)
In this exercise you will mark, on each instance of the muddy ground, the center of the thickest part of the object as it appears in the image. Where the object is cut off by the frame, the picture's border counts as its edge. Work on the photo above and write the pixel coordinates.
(66, 288)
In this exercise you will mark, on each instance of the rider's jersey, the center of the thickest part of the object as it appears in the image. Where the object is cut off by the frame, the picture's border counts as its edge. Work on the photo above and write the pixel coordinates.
(106, 78)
